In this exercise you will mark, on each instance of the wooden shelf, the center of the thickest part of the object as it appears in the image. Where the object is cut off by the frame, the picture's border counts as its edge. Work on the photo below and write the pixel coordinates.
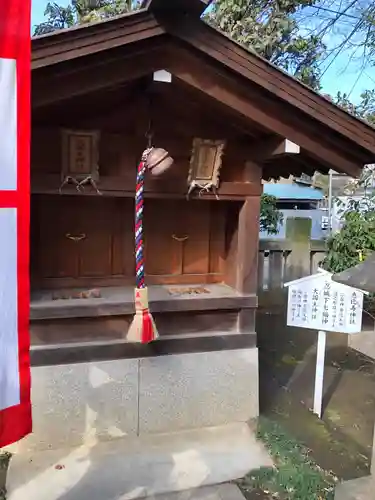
(119, 301)
(124, 187)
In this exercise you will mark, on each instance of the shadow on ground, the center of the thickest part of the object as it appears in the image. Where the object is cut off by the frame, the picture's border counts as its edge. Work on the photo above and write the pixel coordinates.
(342, 441)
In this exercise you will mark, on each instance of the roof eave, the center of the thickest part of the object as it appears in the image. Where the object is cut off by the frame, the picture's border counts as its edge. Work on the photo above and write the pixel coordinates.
(192, 7)
(84, 40)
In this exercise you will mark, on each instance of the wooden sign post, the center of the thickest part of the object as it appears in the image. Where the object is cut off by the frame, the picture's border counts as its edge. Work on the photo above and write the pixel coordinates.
(318, 303)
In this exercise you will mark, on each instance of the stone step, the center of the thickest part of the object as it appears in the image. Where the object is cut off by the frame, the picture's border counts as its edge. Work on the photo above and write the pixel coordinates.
(129, 468)
(219, 492)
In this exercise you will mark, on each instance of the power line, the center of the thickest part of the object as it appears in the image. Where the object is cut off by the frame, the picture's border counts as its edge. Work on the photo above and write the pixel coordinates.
(370, 77)
(332, 11)
(356, 82)
(341, 47)
(323, 29)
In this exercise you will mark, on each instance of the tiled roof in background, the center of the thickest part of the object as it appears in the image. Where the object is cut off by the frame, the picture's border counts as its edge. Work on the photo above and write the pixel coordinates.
(293, 192)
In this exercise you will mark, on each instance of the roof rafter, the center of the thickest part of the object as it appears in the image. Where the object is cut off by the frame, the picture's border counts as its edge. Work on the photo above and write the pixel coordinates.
(240, 82)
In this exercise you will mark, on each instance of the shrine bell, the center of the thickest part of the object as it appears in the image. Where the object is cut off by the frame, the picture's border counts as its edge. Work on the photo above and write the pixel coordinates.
(158, 161)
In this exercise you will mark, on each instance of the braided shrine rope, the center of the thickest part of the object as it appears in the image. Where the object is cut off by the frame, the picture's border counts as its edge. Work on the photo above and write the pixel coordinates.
(139, 203)
(143, 328)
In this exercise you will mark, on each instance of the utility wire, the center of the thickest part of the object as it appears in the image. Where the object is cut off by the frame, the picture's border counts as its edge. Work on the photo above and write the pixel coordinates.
(338, 12)
(356, 81)
(370, 77)
(341, 47)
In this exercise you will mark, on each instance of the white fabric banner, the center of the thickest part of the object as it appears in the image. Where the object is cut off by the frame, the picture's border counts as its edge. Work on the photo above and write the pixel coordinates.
(9, 372)
(8, 124)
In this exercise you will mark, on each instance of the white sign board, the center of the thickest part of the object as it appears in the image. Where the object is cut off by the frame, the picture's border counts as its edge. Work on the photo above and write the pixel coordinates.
(318, 303)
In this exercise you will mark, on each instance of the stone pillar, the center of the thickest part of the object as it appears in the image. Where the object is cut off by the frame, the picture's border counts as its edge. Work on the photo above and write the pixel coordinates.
(298, 234)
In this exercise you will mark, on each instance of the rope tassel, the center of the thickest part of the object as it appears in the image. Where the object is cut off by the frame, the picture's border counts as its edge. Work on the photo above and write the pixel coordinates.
(143, 328)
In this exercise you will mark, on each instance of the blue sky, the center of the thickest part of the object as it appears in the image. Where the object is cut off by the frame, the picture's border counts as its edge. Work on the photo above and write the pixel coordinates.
(38, 7)
(342, 73)
(350, 78)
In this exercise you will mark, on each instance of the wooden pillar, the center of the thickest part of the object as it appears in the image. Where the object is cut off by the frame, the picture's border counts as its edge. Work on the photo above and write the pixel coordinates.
(248, 234)
(243, 248)
(247, 263)
(248, 246)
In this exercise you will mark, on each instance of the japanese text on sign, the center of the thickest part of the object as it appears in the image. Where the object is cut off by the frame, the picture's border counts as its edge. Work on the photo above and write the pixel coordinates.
(319, 303)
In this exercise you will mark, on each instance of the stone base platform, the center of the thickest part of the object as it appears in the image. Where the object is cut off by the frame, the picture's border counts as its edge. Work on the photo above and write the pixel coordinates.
(137, 467)
(219, 492)
(357, 489)
(128, 428)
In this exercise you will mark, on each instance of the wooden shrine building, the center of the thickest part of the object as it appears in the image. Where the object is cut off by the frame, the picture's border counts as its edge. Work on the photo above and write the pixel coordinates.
(229, 119)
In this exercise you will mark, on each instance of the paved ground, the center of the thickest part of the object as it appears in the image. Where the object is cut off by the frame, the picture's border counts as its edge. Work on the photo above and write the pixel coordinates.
(358, 489)
(131, 468)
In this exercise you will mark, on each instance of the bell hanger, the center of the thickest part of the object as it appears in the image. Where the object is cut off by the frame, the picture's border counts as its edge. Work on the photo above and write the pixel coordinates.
(158, 159)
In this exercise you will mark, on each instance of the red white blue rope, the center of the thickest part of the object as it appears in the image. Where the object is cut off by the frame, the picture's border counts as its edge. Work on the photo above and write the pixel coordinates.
(139, 204)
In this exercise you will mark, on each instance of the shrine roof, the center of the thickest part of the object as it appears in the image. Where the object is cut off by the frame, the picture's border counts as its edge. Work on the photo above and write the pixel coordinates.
(319, 275)
(208, 61)
(361, 276)
(195, 7)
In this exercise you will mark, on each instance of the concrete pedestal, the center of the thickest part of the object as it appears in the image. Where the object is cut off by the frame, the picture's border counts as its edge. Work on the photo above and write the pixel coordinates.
(128, 428)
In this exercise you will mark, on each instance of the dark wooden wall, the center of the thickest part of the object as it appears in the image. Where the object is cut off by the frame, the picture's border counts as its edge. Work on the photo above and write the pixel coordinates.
(186, 241)
(176, 120)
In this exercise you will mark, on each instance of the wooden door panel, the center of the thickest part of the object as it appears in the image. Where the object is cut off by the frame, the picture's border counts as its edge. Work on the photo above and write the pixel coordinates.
(196, 225)
(163, 253)
(217, 237)
(57, 254)
(181, 238)
(96, 223)
(123, 261)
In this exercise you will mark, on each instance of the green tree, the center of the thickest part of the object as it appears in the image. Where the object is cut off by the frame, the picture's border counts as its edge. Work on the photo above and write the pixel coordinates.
(365, 109)
(82, 11)
(271, 29)
(352, 243)
(356, 238)
(270, 216)
(57, 18)
(96, 10)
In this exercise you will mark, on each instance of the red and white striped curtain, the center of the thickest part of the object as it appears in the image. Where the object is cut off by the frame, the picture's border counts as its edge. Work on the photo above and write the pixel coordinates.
(15, 407)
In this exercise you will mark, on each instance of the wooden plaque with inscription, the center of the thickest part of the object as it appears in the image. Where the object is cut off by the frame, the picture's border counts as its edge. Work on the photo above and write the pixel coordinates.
(205, 163)
(80, 154)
